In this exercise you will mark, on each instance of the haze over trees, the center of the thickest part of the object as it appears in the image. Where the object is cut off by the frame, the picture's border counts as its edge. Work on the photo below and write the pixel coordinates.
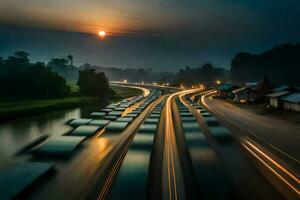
(132, 74)
(207, 74)
(281, 64)
(19, 78)
(64, 67)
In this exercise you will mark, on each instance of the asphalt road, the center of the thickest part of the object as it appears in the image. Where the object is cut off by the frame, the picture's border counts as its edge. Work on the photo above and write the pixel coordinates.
(276, 140)
(187, 160)
(282, 135)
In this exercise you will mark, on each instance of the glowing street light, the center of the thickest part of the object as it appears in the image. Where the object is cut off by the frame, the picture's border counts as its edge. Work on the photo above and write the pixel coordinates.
(218, 82)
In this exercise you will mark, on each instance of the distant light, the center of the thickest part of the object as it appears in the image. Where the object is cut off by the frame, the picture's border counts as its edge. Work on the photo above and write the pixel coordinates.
(218, 82)
(125, 81)
(102, 34)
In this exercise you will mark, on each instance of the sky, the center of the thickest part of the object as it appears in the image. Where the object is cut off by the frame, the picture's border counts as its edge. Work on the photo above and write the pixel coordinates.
(162, 34)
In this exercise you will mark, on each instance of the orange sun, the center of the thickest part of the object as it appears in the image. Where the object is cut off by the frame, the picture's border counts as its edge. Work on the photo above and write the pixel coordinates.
(102, 34)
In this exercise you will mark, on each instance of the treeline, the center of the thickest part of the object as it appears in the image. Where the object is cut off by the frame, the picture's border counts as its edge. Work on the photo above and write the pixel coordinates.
(19, 78)
(281, 64)
(64, 67)
(131, 74)
(207, 74)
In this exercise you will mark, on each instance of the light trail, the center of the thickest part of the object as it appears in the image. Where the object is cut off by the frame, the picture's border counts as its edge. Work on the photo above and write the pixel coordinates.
(147, 85)
(173, 184)
(285, 175)
(122, 144)
(112, 174)
(145, 90)
(276, 168)
(275, 148)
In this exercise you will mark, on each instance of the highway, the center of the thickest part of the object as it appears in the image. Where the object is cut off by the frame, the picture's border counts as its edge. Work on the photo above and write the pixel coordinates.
(162, 145)
(274, 143)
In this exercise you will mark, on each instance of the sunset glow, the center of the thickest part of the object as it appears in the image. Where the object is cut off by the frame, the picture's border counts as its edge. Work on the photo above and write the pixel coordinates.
(102, 34)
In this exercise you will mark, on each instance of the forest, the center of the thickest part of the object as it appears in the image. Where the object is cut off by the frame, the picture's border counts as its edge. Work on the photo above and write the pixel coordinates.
(19, 78)
(281, 64)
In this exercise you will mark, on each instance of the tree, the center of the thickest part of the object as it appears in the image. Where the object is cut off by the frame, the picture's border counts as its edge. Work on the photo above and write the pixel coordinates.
(20, 78)
(22, 54)
(1, 62)
(70, 59)
(206, 74)
(92, 83)
(64, 67)
(265, 85)
(281, 64)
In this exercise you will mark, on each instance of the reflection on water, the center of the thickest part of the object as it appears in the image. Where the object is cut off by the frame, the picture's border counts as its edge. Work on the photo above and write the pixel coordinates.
(14, 134)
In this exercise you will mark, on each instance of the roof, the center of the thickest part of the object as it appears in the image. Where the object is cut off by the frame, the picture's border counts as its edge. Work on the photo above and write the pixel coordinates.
(277, 94)
(251, 84)
(281, 88)
(294, 98)
(241, 89)
(226, 86)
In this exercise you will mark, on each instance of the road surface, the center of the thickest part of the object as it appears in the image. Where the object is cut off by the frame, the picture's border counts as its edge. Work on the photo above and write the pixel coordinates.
(171, 150)
(278, 139)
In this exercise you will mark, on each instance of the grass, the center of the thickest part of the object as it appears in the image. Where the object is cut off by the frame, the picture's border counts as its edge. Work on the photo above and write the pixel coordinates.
(73, 85)
(17, 108)
(13, 108)
(124, 92)
(121, 92)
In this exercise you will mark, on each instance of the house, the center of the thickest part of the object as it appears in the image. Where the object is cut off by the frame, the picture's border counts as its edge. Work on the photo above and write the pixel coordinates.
(244, 95)
(282, 88)
(225, 90)
(291, 102)
(251, 84)
(274, 98)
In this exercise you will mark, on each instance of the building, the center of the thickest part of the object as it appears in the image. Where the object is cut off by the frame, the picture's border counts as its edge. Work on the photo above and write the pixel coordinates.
(291, 102)
(225, 90)
(251, 84)
(282, 88)
(244, 95)
(274, 98)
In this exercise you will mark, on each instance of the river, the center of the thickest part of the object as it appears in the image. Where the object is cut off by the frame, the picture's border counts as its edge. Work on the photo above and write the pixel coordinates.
(16, 133)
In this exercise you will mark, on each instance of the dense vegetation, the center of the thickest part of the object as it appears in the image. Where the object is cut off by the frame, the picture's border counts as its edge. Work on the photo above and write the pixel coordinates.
(20, 78)
(92, 83)
(207, 74)
(131, 74)
(64, 67)
(281, 64)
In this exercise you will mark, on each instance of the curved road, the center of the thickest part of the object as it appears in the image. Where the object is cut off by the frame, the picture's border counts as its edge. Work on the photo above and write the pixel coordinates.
(273, 142)
(211, 170)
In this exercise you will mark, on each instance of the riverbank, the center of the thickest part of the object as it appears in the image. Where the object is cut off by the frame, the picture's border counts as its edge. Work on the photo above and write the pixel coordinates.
(15, 108)
(10, 109)
(124, 92)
